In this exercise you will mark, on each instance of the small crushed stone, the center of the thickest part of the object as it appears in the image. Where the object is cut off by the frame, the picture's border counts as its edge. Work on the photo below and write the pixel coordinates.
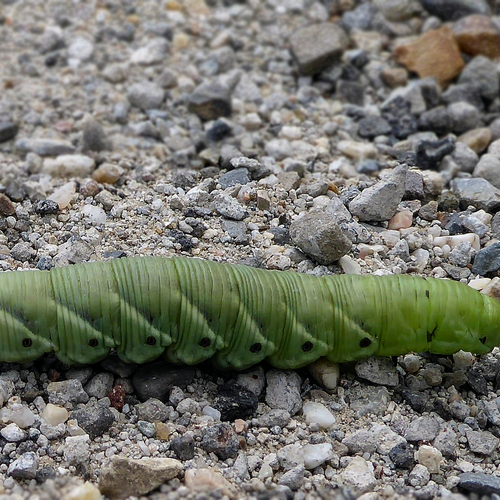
(284, 135)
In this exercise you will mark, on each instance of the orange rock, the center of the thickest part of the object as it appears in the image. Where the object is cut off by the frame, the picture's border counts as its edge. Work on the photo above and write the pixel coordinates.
(478, 35)
(435, 54)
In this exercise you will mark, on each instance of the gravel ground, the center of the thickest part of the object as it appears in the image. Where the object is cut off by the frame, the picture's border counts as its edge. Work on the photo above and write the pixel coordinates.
(334, 136)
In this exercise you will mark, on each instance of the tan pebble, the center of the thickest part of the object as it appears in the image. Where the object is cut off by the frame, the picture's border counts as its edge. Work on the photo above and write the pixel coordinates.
(402, 220)
(478, 35)
(63, 195)
(436, 54)
(181, 41)
(207, 480)
(89, 187)
(86, 491)
(240, 426)
(477, 139)
(54, 415)
(394, 77)
(107, 173)
(162, 431)
(430, 458)
(357, 150)
(326, 373)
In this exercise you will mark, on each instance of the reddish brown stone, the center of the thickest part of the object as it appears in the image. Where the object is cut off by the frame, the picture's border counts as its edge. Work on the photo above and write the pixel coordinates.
(6, 206)
(478, 35)
(435, 54)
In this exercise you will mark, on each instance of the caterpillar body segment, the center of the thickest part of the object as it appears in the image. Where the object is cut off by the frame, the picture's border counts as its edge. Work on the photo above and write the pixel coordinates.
(189, 310)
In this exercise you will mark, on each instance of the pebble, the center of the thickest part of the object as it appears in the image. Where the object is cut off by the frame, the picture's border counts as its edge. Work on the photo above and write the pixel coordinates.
(477, 192)
(482, 484)
(67, 391)
(317, 46)
(76, 450)
(320, 237)
(123, 477)
(107, 173)
(422, 429)
(450, 10)
(94, 419)
(99, 385)
(357, 150)
(234, 401)
(378, 371)
(24, 467)
(221, 440)
(293, 478)
(8, 131)
(183, 447)
(146, 95)
(283, 391)
(430, 458)
(12, 433)
(73, 165)
(45, 147)
(482, 442)
(476, 139)
(152, 410)
(316, 454)
(208, 480)
(434, 54)
(419, 476)
(54, 415)
(358, 476)
(317, 413)
(478, 35)
(210, 101)
(380, 202)
(463, 117)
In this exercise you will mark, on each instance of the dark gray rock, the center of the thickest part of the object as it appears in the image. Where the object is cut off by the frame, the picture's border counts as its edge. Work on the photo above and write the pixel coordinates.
(147, 428)
(8, 131)
(487, 260)
(351, 92)
(422, 429)
(360, 18)
(234, 177)
(218, 131)
(221, 440)
(436, 120)
(237, 231)
(477, 192)
(482, 484)
(46, 207)
(210, 101)
(44, 147)
(316, 47)
(155, 380)
(402, 456)
(320, 237)
(476, 380)
(183, 447)
(463, 92)
(372, 125)
(234, 401)
(481, 73)
(93, 137)
(398, 114)
(451, 10)
(429, 154)
(24, 467)
(94, 419)
(152, 410)
(275, 417)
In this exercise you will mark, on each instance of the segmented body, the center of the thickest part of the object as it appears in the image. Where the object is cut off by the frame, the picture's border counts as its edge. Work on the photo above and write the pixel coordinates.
(189, 310)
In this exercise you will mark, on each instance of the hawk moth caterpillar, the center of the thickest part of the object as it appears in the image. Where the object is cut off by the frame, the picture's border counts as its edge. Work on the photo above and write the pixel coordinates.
(189, 310)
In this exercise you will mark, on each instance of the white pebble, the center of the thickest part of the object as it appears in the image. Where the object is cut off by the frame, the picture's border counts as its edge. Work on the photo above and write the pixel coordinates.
(63, 195)
(96, 214)
(317, 454)
(316, 413)
(54, 415)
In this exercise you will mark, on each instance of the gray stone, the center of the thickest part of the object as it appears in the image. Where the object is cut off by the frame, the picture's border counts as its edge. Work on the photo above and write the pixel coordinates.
(379, 371)
(100, 385)
(93, 137)
(210, 101)
(481, 72)
(153, 410)
(358, 476)
(482, 442)
(422, 429)
(451, 10)
(477, 192)
(229, 207)
(76, 450)
(320, 237)
(94, 419)
(183, 447)
(463, 156)
(294, 478)
(44, 147)
(234, 177)
(461, 254)
(463, 117)
(12, 433)
(317, 46)
(380, 201)
(360, 18)
(8, 131)
(419, 476)
(463, 92)
(146, 428)
(372, 125)
(24, 467)
(446, 442)
(396, 10)
(23, 252)
(221, 440)
(482, 484)
(488, 168)
(274, 417)
(487, 260)
(237, 230)
(67, 391)
(283, 391)
(364, 399)
(146, 95)
(436, 120)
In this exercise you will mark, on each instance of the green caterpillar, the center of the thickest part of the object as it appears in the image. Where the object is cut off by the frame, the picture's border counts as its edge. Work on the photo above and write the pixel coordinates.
(189, 310)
